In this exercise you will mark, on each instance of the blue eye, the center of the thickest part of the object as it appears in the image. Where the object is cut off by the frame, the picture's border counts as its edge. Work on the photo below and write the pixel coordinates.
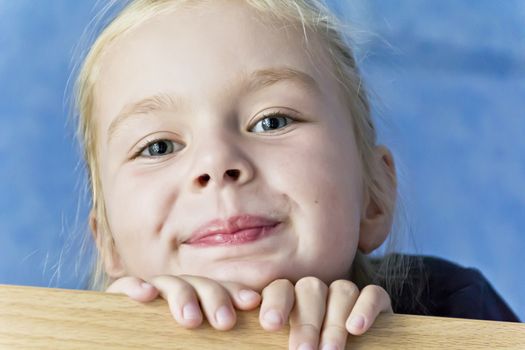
(273, 121)
(157, 148)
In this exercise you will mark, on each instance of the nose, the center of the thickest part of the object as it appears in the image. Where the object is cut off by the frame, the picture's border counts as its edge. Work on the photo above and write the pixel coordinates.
(220, 163)
(230, 175)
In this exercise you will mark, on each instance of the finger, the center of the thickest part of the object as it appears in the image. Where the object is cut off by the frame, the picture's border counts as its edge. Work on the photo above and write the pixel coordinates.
(135, 288)
(277, 301)
(243, 298)
(371, 301)
(215, 301)
(308, 313)
(342, 295)
(181, 298)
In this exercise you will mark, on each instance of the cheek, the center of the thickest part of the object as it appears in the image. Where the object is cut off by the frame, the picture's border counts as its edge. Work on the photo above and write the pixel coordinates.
(137, 199)
(321, 173)
(323, 180)
(135, 206)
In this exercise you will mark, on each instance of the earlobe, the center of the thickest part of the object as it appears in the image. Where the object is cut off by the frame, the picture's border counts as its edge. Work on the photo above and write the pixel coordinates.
(106, 247)
(377, 215)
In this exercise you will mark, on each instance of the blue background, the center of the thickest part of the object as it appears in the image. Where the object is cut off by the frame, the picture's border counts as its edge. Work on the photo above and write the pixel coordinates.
(448, 82)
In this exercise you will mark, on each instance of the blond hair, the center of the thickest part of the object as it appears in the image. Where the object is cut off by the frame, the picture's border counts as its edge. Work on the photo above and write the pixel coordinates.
(312, 16)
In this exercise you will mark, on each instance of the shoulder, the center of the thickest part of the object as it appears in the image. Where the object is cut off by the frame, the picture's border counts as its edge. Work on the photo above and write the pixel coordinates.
(444, 288)
(452, 277)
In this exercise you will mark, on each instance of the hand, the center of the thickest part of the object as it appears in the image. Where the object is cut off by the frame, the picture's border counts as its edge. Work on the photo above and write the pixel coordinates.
(183, 294)
(320, 315)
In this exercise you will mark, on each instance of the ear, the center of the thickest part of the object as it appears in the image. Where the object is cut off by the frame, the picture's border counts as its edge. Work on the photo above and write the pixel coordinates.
(106, 247)
(376, 221)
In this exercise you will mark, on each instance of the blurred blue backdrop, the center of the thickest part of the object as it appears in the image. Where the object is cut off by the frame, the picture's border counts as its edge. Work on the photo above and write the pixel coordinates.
(448, 79)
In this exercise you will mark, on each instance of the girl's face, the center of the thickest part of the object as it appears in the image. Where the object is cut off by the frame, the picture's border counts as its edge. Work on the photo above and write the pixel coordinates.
(183, 139)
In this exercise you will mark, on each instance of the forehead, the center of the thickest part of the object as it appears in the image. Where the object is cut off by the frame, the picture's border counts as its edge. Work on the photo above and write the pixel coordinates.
(199, 53)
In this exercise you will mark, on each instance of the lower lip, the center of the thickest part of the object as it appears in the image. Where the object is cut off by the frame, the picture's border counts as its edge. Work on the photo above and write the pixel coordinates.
(237, 238)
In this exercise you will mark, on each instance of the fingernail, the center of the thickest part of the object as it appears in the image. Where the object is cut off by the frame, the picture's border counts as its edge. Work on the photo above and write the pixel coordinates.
(223, 315)
(357, 322)
(247, 295)
(305, 346)
(191, 311)
(273, 317)
(330, 347)
(146, 285)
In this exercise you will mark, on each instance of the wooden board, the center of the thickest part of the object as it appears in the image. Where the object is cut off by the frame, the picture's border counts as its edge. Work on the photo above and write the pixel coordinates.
(43, 318)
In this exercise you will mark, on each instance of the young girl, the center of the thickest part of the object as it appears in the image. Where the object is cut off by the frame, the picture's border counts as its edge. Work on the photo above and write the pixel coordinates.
(233, 164)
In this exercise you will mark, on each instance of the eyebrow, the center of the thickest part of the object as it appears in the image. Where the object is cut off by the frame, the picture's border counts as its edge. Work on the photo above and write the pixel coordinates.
(257, 80)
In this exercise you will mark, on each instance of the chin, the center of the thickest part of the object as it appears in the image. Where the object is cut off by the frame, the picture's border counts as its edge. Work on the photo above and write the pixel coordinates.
(254, 277)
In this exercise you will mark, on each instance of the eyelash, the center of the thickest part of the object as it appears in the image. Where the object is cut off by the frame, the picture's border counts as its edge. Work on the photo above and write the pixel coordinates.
(147, 144)
(265, 116)
(274, 115)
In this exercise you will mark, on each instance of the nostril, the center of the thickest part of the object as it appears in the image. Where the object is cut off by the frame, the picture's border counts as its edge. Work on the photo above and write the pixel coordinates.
(203, 179)
(233, 173)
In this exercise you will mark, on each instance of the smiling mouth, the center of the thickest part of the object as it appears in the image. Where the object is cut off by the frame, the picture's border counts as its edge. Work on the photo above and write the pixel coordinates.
(237, 230)
(239, 237)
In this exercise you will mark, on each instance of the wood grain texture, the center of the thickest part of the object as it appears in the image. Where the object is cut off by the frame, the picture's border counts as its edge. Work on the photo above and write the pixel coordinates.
(43, 318)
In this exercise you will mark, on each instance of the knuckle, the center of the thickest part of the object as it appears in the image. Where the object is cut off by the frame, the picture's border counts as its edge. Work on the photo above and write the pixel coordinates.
(279, 291)
(123, 284)
(131, 279)
(311, 283)
(208, 287)
(165, 282)
(344, 286)
(376, 295)
(211, 287)
(334, 330)
(375, 291)
(282, 283)
(305, 326)
(172, 285)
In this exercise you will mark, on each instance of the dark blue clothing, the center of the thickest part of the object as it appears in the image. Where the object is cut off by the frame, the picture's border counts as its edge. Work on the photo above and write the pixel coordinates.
(449, 290)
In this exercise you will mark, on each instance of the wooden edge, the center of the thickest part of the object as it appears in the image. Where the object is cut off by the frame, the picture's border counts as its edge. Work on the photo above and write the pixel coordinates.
(45, 318)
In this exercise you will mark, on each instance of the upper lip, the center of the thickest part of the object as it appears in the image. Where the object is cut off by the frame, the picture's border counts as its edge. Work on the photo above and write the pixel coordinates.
(230, 226)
